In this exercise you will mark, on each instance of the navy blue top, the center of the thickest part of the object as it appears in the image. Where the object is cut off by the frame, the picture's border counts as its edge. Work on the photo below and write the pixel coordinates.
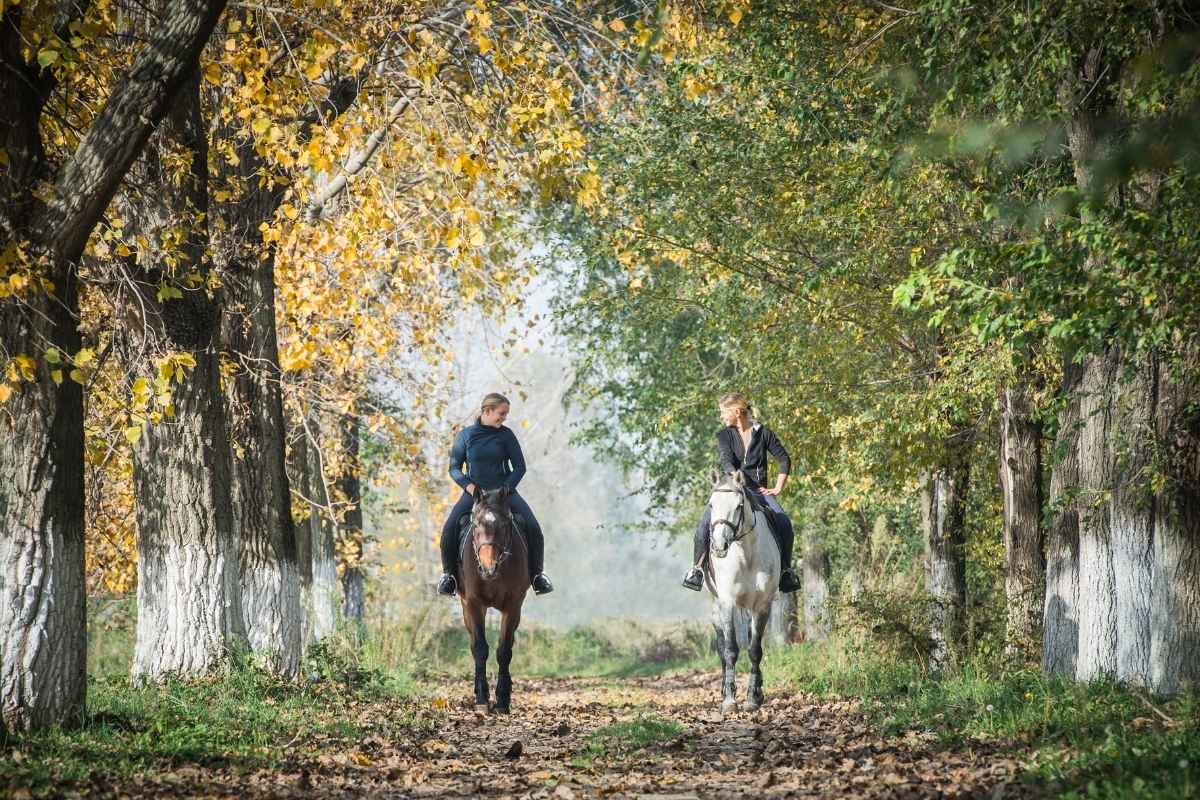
(492, 456)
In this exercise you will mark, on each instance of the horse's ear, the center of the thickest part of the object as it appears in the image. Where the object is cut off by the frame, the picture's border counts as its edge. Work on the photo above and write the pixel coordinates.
(504, 492)
(739, 478)
(477, 493)
(713, 477)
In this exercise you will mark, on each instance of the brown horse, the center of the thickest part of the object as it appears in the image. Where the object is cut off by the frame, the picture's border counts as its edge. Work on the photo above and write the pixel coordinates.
(495, 574)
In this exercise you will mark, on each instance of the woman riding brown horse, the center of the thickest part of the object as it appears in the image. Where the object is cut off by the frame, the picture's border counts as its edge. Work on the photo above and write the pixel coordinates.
(495, 574)
(501, 563)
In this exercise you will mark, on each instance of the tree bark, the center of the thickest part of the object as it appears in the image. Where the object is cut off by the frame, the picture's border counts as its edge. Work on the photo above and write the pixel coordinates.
(1021, 488)
(1139, 548)
(315, 546)
(817, 622)
(943, 501)
(1060, 640)
(189, 614)
(42, 633)
(43, 643)
(262, 509)
(350, 545)
(1175, 603)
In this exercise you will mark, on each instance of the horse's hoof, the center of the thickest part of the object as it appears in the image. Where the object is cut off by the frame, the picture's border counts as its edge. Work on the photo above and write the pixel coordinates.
(751, 705)
(729, 706)
(502, 709)
(482, 708)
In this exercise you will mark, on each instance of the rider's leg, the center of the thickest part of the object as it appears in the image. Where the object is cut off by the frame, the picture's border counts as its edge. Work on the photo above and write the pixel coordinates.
(694, 579)
(537, 544)
(700, 540)
(785, 536)
(449, 544)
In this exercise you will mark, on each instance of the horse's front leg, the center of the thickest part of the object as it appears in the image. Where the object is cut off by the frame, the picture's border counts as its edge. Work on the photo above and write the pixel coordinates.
(509, 620)
(727, 648)
(754, 690)
(473, 616)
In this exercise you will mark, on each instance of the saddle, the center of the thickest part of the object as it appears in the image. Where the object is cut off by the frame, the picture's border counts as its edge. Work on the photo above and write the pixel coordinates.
(464, 531)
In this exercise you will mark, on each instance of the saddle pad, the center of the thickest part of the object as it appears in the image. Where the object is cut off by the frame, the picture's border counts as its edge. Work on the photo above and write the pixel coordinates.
(464, 532)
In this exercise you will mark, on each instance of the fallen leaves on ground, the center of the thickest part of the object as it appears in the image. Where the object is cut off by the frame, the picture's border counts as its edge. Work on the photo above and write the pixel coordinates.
(796, 746)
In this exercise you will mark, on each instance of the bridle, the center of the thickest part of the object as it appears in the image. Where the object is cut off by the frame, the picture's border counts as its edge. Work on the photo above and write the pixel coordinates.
(739, 528)
(504, 554)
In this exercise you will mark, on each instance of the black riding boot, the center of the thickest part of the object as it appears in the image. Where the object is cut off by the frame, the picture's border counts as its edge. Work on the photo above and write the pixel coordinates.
(537, 552)
(449, 545)
(694, 579)
(785, 537)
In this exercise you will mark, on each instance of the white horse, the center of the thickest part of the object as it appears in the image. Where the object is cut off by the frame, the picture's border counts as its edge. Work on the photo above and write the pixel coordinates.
(742, 573)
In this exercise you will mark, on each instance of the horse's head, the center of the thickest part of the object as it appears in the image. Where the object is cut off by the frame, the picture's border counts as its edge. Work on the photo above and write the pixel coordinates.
(730, 512)
(491, 530)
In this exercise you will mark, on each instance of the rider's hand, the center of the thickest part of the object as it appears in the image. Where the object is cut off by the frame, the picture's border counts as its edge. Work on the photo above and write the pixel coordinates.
(771, 492)
(470, 489)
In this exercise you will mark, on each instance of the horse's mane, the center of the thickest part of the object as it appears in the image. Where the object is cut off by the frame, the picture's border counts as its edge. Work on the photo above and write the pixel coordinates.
(726, 481)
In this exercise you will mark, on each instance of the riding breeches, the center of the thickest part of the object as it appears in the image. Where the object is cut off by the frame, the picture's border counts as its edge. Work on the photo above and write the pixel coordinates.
(450, 529)
(780, 523)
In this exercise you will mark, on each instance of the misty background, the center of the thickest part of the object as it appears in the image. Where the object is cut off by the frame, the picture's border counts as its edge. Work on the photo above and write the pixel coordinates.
(601, 569)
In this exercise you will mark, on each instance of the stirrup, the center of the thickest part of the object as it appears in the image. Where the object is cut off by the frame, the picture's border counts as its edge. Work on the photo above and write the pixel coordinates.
(447, 585)
(789, 581)
(541, 584)
(694, 580)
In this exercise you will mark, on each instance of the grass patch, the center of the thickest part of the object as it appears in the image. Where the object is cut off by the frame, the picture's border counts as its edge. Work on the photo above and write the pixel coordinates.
(613, 650)
(242, 719)
(1096, 740)
(623, 738)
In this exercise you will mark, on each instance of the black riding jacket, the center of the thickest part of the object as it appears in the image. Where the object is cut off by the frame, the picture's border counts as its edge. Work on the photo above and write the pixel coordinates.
(731, 455)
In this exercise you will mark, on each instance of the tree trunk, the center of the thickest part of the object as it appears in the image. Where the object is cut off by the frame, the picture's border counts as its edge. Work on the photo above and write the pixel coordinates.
(1175, 604)
(785, 625)
(1139, 548)
(1139, 544)
(943, 500)
(817, 622)
(350, 545)
(262, 510)
(189, 615)
(316, 551)
(1060, 642)
(42, 634)
(1021, 487)
(43, 643)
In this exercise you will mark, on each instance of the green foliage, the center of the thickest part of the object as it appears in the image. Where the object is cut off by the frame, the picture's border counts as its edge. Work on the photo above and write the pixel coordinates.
(623, 738)
(244, 718)
(617, 649)
(1090, 740)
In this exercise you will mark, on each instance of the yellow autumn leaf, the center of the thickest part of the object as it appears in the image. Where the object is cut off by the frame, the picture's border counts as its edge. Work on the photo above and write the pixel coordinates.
(5, 392)
(133, 433)
(52, 355)
(212, 73)
(78, 376)
(27, 366)
(735, 16)
(617, 26)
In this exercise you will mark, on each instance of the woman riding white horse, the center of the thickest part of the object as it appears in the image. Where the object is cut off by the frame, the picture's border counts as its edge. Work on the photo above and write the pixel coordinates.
(743, 576)
(743, 445)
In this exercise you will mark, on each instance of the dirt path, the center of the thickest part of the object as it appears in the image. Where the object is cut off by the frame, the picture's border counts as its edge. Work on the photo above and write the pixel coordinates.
(651, 738)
